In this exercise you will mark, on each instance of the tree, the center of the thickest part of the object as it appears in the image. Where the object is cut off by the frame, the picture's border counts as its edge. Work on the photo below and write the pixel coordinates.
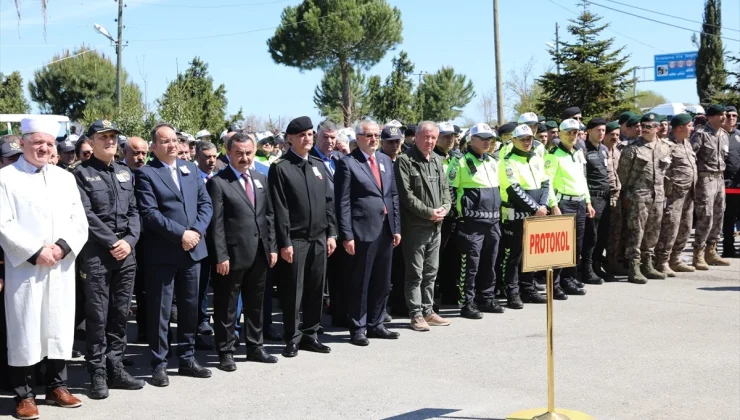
(592, 77)
(234, 118)
(191, 103)
(710, 68)
(395, 98)
(650, 99)
(522, 91)
(132, 118)
(84, 77)
(487, 106)
(328, 95)
(348, 34)
(731, 92)
(445, 94)
(12, 100)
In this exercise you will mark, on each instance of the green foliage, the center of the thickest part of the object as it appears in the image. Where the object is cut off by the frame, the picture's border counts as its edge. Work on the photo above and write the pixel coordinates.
(328, 95)
(347, 34)
(649, 99)
(592, 76)
(131, 118)
(710, 68)
(69, 86)
(444, 94)
(190, 102)
(12, 100)
(239, 116)
(730, 94)
(395, 99)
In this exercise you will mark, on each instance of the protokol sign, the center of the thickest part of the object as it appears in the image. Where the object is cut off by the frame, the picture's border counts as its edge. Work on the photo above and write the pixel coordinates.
(549, 242)
(677, 66)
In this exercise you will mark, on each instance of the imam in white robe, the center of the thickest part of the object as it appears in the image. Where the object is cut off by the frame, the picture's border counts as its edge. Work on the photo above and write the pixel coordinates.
(38, 208)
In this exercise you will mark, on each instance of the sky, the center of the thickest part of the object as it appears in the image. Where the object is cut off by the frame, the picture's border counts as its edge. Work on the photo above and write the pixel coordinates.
(230, 35)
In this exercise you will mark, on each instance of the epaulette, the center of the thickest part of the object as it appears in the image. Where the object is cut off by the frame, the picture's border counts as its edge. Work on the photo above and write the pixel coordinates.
(552, 149)
(508, 155)
(471, 166)
(456, 153)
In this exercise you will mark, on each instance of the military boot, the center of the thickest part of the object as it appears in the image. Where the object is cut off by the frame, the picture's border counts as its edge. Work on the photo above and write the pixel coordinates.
(599, 270)
(699, 262)
(678, 266)
(661, 264)
(98, 386)
(712, 258)
(634, 275)
(649, 271)
(616, 267)
(118, 378)
(588, 275)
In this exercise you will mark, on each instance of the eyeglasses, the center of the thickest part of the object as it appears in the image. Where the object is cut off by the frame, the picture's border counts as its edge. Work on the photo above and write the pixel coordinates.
(372, 136)
(731, 115)
(648, 126)
(86, 153)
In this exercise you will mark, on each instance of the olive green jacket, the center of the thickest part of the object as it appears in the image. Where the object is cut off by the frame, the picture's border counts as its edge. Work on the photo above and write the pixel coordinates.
(415, 189)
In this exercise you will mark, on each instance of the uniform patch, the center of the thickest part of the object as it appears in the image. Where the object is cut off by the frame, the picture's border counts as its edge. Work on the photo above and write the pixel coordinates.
(547, 164)
(123, 176)
(453, 174)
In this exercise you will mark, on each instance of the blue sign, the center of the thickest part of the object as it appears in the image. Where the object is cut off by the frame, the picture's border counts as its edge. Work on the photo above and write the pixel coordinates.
(676, 66)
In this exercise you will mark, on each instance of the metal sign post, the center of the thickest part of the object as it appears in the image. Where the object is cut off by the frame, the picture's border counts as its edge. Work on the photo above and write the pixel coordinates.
(549, 242)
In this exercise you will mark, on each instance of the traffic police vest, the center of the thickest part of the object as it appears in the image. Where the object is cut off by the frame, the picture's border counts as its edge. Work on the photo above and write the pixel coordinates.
(537, 148)
(524, 185)
(567, 174)
(474, 179)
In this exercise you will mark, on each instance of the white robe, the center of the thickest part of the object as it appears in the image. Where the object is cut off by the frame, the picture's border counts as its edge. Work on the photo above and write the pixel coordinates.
(37, 209)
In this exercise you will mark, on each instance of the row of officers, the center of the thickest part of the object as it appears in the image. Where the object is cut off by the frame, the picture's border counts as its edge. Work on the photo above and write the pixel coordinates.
(362, 207)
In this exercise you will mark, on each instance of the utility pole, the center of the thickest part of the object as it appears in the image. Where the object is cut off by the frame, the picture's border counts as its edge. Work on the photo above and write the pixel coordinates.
(421, 73)
(497, 52)
(557, 46)
(119, 49)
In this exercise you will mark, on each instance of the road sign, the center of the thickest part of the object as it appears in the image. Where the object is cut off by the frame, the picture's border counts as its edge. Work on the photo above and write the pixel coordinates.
(677, 66)
(549, 242)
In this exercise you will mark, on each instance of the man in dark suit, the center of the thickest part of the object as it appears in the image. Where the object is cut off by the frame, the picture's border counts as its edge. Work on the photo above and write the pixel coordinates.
(369, 227)
(241, 240)
(175, 211)
(305, 231)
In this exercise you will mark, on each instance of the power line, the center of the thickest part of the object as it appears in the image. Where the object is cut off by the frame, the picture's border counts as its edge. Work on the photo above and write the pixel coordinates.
(659, 22)
(90, 49)
(671, 16)
(218, 6)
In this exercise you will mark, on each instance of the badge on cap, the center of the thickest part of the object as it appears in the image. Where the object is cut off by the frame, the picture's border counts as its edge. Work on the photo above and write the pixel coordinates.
(106, 124)
(123, 176)
(14, 146)
(257, 183)
(317, 173)
(184, 170)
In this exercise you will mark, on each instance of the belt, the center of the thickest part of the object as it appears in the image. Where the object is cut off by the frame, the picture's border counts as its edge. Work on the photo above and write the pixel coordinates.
(480, 214)
(598, 193)
(120, 235)
(567, 197)
(511, 214)
(711, 174)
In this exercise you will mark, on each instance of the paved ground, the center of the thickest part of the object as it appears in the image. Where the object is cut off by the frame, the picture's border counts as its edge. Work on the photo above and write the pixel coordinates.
(666, 350)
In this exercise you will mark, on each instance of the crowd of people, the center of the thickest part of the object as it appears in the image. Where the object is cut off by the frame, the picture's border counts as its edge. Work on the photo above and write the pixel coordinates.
(364, 224)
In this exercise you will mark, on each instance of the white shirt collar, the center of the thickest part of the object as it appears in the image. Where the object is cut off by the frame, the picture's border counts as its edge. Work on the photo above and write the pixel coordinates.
(237, 173)
(366, 155)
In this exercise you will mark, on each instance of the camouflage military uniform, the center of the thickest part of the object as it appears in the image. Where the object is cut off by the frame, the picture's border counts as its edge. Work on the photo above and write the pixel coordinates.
(679, 210)
(642, 168)
(614, 248)
(711, 147)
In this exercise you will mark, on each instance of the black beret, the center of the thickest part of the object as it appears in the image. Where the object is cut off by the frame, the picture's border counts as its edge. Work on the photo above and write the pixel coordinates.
(623, 117)
(541, 128)
(233, 128)
(551, 124)
(595, 122)
(730, 108)
(680, 119)
(650, 117)
(715, 110)
(457, 129)
(410, 130)
(570, 112)
(299, 125)
(611, 126)
(506, 128)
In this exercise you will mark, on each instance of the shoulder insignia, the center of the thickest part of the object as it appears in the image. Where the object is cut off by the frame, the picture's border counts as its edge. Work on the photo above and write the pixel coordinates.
(548, 163)
(123, 175)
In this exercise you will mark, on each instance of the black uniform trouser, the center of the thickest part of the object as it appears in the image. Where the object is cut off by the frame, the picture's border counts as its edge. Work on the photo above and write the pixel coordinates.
(335, 277)
(109, 285)
(449, 262)
(22, 377)
(478, 243)
(301, 287)
(590, 238)
(250, 284)
(602, 237)
(140, 293)
(4, 380)
(732, 213)
(579, 209)
(516, 281)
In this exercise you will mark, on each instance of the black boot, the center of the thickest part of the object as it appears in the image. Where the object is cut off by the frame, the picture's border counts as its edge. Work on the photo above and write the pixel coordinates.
(470, 311)
(599, 270)
(118, 378)
(569, 287)
(533, 297)
(588, 275)
(514, 301)
(98, 387)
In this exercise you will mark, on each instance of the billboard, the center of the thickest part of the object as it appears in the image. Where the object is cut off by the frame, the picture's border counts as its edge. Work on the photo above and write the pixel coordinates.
(677, 66)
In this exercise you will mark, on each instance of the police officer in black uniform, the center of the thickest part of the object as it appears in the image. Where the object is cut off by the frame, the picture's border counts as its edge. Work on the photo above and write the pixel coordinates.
(598, 187)
(732, 180)
(305, 229)
(109, 263)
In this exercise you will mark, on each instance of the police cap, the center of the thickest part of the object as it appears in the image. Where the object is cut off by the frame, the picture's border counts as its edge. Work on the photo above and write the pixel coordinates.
(391, 133)
(11, 148)
(101, 126)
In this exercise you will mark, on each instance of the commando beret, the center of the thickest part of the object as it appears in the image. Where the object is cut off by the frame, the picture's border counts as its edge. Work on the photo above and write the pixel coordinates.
(715, 110)
(595, 122)
(680, 119)
(299, 125)
(570, 112)
(611, 126)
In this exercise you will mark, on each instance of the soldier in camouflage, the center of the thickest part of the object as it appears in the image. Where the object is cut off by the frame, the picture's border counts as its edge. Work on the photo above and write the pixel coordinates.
(614, 219)
(679, 209)
(642, 167)
(711, 145)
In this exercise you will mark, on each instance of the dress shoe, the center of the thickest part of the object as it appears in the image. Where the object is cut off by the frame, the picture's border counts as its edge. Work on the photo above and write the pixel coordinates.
(205, 328)
(490, 306)
(434, 320)
(118, 378)
(98, 385)
(61, 397)
(226, 362)
(470, 311)
(359, 339)
(578, 283)
(76, 353)
(291, 350)
(202, 344)
(269, 334)
(382, 332)
(559, 294)
(260, 355)
(194, 369)
(320, 330)
(160, 378)
(26, 409)
(309, 344)
(533, 297)
(515, 301)
(387, 318)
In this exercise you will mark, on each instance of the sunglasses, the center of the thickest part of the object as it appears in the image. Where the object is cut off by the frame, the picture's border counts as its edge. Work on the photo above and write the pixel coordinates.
(578, 118)
(648, 126)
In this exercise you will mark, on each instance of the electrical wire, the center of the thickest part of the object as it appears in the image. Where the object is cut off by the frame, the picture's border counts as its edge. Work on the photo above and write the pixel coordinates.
(218, 6)
(671, 16)
(90, 49)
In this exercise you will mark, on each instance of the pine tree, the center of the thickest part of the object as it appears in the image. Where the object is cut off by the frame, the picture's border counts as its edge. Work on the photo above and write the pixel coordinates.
(710, 67)
(12, 100)
(592, 77)
(443, 95)
(395, 99)
(328, 95)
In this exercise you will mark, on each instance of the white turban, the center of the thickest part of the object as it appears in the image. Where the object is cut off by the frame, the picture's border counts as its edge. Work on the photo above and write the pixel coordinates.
(40, 124)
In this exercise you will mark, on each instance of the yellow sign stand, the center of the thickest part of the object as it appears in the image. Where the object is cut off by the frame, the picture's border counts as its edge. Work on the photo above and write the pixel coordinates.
(549, 242)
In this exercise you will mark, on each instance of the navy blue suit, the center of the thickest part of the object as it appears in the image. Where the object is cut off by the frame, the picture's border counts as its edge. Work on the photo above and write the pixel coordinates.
(368, 213)
(166, 213)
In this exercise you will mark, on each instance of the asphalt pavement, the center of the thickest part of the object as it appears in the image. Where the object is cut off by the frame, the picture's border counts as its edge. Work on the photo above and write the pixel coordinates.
(666, 350)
